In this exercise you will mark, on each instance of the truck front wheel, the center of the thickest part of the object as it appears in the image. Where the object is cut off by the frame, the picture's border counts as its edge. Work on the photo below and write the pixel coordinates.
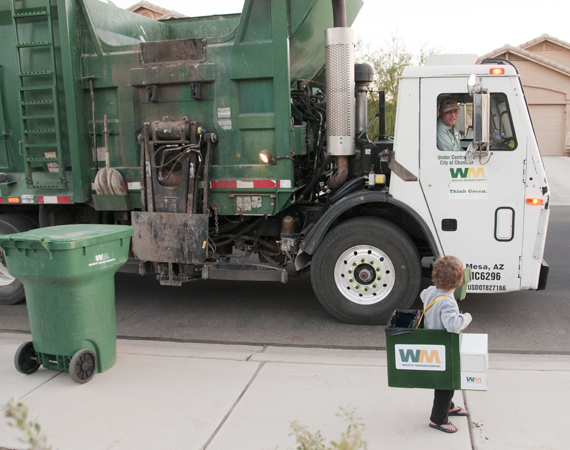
(11, 290)
(364, 269)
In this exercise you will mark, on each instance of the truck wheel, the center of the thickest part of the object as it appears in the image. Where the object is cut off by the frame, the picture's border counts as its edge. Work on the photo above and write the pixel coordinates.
(11, 290)
(364, 269)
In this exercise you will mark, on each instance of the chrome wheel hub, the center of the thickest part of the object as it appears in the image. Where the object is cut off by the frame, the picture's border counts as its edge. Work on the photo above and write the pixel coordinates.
(364, 274)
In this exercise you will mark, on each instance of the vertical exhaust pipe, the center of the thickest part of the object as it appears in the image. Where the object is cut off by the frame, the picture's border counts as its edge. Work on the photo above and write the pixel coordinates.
(339, 13)
(339, 64)
(363, 76)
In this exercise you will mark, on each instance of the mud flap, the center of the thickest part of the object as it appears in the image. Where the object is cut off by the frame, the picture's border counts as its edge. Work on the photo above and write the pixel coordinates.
(543, 276)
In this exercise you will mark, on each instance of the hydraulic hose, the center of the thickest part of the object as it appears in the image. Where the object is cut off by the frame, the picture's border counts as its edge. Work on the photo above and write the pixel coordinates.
(316, 177)
(348, 188)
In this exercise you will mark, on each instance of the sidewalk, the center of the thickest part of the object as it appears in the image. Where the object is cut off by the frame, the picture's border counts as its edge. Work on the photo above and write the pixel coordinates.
(167, 395)
(558, 173)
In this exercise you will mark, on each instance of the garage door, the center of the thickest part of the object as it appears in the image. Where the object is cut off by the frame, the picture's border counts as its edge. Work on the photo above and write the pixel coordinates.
(549, 125)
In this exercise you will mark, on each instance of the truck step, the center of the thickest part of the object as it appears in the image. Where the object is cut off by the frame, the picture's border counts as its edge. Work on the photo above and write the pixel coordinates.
(37, 88)
(26, 13)
(38, 116)
(244, 272)
(37, 102)
(40, 131)
(43, 73)
(34, 44)
(42, 145)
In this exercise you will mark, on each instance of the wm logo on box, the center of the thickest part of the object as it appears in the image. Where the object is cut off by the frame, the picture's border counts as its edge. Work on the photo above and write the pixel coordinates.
(420, 357)
(474, 379)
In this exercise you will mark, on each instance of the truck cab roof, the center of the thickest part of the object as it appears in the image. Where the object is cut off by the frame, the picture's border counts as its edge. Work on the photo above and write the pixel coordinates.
(440, 70)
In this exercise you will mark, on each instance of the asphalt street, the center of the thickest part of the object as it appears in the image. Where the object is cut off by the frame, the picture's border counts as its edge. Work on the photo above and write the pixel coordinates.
(276, 314)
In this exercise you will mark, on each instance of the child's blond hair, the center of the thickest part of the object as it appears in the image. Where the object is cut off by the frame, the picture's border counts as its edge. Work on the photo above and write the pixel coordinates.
(447, 273)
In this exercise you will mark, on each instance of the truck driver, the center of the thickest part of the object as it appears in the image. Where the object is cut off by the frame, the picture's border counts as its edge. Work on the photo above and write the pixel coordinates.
(447, 134)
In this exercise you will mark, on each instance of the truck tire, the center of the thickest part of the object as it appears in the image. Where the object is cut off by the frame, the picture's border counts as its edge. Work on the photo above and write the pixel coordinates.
(11, 290)
(364, 269)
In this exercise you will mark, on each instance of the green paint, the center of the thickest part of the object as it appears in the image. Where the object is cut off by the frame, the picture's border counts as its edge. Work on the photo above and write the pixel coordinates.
(249, 64)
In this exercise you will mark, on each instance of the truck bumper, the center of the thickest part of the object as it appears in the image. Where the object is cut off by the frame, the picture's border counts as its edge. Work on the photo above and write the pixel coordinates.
(543, 277)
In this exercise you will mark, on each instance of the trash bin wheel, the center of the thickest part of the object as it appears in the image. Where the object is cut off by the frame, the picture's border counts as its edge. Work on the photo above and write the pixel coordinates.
(82, 366)
(25, 359)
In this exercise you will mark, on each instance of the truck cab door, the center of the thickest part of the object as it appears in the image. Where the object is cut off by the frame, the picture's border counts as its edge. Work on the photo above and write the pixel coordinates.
(477, 207)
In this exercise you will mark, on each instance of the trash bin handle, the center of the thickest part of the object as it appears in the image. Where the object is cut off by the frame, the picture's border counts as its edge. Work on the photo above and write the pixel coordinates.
(44, 240)
(19, 240)
(25, 243)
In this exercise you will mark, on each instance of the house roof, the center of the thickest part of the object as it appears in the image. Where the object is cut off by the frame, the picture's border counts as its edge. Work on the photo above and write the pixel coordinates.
(530, 56)
(147, 5)
(545, 37)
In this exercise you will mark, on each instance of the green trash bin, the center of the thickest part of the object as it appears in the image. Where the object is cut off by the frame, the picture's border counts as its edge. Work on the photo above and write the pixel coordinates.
(68, 275)
(419, 358)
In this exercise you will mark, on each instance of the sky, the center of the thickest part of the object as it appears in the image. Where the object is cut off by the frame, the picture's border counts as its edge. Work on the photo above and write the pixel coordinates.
(474, 27)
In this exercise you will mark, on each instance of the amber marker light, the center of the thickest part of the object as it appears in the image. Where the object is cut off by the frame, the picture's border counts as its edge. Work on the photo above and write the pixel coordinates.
(497, 71)
(534, 201)
(13, 199)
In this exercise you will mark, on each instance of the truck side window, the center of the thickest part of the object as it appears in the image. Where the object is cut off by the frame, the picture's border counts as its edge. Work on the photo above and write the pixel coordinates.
(454, 121)
(501, 127)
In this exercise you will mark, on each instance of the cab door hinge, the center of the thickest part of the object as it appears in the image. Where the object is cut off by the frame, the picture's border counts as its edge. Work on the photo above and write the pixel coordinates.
(524, 171)
(520, 266)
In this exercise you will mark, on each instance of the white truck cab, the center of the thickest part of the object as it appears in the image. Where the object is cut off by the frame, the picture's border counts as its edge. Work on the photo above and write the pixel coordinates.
(487, 204)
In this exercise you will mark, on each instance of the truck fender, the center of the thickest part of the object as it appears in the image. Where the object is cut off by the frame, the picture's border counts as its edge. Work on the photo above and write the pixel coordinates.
(309, 245)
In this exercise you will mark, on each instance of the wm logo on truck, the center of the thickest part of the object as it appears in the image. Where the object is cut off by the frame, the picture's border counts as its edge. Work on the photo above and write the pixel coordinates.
(467, 172)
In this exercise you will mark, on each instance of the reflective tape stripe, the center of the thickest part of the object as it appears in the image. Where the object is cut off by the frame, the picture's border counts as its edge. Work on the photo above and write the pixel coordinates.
(134, 186)
(249, 184)
(53, 199)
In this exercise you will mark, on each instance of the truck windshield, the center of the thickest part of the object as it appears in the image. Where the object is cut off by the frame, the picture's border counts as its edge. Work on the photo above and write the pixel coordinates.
(501, 126)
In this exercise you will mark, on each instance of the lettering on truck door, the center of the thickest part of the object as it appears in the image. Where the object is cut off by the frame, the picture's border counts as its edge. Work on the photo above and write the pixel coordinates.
(477, 207)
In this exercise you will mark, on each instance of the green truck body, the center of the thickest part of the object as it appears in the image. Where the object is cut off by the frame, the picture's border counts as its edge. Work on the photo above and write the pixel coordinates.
(223, 137)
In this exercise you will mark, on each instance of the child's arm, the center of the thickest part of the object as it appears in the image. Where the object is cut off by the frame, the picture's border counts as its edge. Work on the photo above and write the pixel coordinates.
(452, 320)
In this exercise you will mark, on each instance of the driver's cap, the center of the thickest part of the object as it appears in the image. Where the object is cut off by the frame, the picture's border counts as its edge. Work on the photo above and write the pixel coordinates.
(448, 104)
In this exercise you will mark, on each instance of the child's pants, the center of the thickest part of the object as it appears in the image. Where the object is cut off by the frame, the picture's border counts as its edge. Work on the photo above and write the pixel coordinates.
(441, 405)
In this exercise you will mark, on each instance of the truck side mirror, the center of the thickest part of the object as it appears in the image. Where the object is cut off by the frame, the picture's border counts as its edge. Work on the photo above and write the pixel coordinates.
(481, 117)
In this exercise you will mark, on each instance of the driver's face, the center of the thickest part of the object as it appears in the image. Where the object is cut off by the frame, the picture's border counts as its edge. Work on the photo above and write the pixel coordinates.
(450, 117)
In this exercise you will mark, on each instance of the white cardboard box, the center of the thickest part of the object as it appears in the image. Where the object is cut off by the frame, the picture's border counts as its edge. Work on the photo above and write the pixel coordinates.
(474, 361)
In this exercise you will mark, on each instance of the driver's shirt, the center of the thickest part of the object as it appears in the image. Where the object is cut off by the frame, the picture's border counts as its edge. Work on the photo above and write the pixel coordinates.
(447, 138)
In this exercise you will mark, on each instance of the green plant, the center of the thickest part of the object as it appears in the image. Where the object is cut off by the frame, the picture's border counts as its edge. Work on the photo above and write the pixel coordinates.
(18, 416)
(388, 61)
(351, 438)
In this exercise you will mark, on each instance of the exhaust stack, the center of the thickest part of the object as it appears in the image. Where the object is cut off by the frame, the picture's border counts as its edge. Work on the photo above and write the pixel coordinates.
(339, 64)
(340, 90)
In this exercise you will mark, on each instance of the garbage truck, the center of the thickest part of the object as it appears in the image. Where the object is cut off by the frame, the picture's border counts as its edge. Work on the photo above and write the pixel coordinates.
(237, 146)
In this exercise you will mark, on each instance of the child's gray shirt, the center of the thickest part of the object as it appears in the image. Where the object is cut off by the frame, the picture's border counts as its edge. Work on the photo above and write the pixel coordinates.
(444, 314)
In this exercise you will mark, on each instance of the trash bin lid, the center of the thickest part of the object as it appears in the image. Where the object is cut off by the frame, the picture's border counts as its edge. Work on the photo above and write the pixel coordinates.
(67, 237)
